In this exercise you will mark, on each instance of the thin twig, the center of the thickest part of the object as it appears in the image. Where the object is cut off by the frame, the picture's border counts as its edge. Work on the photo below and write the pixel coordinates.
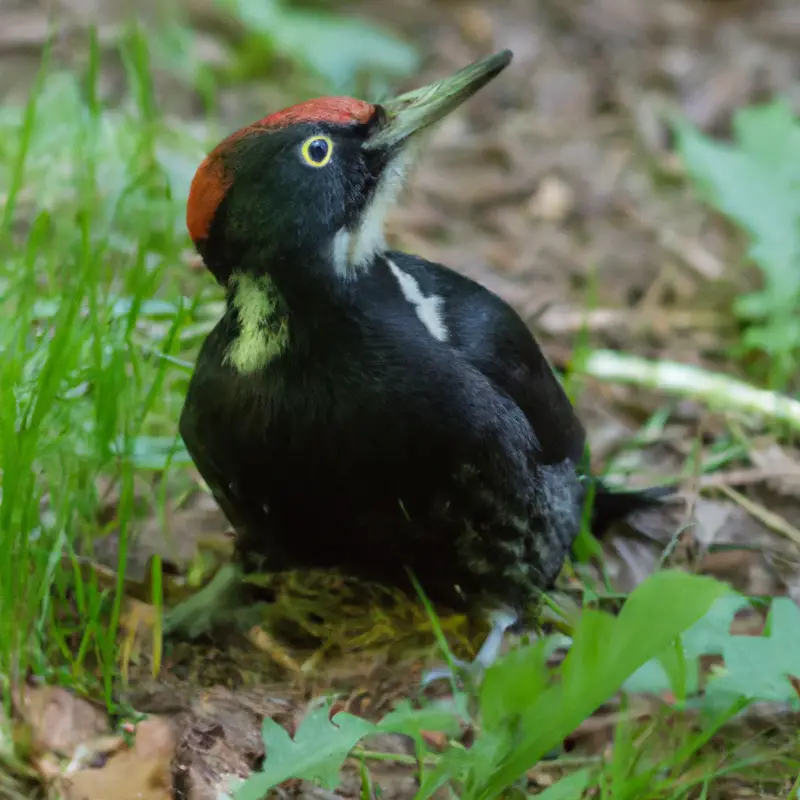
(716, 390)
(768, 518)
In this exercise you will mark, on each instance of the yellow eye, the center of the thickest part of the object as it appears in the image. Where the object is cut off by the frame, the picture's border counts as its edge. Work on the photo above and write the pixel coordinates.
(317, 151)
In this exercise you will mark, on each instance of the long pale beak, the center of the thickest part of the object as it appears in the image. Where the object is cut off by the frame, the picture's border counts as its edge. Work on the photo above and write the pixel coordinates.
(419, 109)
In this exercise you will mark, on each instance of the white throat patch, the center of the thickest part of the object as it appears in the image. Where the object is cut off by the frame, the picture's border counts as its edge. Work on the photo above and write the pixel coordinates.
(429, 309)
(263, 335)
(354, 250)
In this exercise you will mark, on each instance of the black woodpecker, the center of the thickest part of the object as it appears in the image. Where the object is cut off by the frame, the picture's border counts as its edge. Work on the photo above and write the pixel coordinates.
(364, 409)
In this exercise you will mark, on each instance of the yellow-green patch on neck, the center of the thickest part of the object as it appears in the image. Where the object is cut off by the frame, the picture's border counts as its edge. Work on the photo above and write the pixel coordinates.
(263, 331)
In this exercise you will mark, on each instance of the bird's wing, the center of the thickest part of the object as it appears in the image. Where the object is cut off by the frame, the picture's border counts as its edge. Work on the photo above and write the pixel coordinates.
(493, 338)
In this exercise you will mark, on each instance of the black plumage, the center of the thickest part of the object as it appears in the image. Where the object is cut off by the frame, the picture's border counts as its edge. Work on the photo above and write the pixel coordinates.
(364, 409)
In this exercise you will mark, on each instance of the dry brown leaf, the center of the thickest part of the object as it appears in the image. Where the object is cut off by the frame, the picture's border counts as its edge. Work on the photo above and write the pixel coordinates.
(710, 518)
(635, 560)
(783, 469)
(436, 740)
(58, 722)
(140, 772)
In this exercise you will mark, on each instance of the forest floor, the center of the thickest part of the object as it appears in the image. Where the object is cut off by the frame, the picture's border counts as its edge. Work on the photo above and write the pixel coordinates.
(558, 187)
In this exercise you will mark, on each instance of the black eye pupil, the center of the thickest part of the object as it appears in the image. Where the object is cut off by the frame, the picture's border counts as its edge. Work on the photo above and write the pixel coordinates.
(317, 150)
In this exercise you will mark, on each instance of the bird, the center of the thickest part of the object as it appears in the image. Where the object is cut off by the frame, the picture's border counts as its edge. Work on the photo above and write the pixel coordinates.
(363, 409)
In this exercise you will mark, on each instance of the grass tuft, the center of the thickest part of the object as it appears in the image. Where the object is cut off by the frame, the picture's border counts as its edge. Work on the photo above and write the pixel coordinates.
(92, 315)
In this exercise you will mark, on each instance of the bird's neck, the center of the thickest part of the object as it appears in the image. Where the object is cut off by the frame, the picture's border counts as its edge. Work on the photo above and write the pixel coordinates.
(260, 320)
(308, 283)
(285, 305)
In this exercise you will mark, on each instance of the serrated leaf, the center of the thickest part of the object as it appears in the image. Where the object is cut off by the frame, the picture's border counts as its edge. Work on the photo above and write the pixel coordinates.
(316, 753)
(756, 183)
(759, 667)
(770, 135)
(650, 678)
(759, 200)
(709, 635)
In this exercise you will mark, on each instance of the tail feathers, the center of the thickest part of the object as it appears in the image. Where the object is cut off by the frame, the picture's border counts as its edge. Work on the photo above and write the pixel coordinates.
(611, 506)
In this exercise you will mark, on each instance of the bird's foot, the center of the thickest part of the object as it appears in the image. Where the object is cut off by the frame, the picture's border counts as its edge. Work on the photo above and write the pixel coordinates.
(215, 605)
(261, 639)
(471, 673)
(219, 605)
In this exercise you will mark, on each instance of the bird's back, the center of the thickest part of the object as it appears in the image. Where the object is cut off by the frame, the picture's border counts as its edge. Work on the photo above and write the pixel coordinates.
(488, 333)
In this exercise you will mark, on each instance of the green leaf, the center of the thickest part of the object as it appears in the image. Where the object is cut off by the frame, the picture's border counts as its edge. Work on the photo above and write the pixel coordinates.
(512, 684)
(570, 787)
(650, 678)
(153, 452)
(770, 136)
(451, 766)
(759, 667)
(756, 183)
(487, 751)
(752, 187)
(683, 675)
(316, 753)
(338, 48)
(410, 721)
(708, 636)
(605, 651)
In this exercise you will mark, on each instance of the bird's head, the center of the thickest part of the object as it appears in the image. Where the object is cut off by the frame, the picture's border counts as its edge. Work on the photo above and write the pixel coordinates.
(309, 186)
